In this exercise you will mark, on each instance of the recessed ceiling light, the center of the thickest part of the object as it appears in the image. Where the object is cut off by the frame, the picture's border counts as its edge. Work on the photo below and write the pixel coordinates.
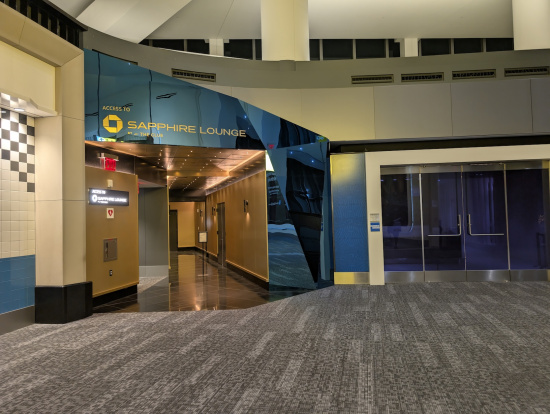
(19, 109)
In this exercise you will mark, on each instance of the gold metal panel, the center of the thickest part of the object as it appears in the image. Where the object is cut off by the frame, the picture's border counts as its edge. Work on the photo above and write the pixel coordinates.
(351, 278)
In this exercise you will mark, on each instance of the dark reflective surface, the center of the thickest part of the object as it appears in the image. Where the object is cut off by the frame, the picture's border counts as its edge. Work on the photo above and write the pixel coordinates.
(528, 209)
(401, 222)
(195, 285)
(443, 232)
(485, 205)
(471, 219)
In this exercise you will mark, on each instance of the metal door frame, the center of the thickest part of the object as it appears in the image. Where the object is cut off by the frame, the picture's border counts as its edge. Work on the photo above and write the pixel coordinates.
(498, 275)
(220, 212)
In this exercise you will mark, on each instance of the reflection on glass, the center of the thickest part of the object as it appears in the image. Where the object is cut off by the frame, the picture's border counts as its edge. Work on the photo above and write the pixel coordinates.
(528, 208)
(401, 222)
(442, 217)
(486, 244)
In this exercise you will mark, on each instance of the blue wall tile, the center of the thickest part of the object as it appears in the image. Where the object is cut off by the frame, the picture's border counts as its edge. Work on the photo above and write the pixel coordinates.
(17, 283)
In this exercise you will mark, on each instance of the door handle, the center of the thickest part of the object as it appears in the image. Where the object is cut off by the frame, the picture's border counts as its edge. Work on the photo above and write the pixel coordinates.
(458, 223)
(479, 234)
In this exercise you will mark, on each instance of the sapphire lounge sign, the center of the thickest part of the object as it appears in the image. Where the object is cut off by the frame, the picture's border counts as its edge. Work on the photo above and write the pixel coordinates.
(98, 196)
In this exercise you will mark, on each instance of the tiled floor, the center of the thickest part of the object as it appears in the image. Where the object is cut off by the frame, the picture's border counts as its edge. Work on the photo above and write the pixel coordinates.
(194, 285)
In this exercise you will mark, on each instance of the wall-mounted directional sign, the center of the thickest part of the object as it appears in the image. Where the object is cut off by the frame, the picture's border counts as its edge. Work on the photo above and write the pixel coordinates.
(98, 196)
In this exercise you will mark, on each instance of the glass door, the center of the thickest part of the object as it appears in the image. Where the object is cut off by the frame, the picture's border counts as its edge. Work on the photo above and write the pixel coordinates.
(443, 224)
(486, 238)
(484, 222)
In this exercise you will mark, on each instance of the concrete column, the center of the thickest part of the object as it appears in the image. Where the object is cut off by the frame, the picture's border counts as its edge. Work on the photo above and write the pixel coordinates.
(216, 47)
(408, 47)
(62, 293)
(285, 30)
(531, 24)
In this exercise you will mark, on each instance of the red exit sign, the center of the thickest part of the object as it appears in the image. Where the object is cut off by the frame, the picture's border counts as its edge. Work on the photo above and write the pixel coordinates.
(108, 164)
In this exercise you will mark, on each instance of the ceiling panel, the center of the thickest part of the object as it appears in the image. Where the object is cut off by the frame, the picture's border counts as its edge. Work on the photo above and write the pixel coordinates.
(194, 168)
(131, 20)
(240, 19)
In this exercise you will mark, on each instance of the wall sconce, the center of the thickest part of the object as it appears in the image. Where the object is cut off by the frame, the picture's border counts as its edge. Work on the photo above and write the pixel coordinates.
(245, 204)
(213, 211)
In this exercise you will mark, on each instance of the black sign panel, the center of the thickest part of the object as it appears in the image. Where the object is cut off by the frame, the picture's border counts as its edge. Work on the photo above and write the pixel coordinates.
(98, 196)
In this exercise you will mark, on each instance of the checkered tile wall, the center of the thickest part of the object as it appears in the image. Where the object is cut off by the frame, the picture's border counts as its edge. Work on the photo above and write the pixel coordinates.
(17, 221)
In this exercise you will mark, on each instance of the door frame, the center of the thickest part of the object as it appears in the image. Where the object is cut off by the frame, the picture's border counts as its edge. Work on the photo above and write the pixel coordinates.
(375, 160)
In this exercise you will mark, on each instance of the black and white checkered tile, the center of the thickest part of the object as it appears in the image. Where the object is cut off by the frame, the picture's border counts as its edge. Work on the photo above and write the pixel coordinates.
(17, 146)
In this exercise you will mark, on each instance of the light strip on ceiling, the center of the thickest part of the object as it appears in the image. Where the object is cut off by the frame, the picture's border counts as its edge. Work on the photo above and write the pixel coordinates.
(236, 167)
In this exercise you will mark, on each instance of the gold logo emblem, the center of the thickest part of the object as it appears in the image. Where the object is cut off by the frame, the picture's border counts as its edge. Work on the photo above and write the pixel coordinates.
(107, 123)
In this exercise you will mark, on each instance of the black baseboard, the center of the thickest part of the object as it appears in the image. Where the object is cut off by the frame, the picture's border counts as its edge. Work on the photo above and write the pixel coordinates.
(62, 304)
(260, 282)
(117, 294)
(189, 249)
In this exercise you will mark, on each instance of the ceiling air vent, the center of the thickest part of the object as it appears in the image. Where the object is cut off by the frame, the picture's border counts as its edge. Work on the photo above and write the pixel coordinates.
(187, 74)
(422, 77)
(475, 74)
(362, 79)
(539, 70)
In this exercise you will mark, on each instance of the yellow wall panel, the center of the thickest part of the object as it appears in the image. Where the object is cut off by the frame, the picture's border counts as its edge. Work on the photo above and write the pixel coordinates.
(246, 233)
(124, 227)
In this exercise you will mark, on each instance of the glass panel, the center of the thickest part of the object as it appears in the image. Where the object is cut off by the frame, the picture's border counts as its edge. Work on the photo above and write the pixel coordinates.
(486, 242)
(499, 44)
(334, 49)
(468, 46)
(432, 47)
(528, 208)
(401, 222)
(442, 214)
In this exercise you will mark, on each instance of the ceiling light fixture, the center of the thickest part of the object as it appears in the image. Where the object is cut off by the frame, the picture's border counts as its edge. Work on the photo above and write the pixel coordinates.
(19, 109)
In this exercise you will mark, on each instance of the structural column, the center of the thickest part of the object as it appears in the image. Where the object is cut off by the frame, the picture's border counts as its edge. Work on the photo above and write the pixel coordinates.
(285, 30)
(409, 47)
(62, 293)
(216, 47)
(531, 24)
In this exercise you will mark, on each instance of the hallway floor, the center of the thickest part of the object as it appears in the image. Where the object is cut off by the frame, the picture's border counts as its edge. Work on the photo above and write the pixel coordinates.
(419, 348)
(195, 284)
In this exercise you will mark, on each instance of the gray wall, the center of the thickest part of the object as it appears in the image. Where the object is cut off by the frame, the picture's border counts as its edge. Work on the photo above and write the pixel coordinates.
(153, 227)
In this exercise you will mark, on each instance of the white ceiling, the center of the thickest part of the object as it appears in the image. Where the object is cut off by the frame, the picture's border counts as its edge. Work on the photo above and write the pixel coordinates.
(135, 20)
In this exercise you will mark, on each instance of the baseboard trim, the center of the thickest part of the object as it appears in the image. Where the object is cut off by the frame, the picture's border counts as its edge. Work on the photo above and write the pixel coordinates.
(117, 294)
(17, 319)
(250, 276)
(62, 304)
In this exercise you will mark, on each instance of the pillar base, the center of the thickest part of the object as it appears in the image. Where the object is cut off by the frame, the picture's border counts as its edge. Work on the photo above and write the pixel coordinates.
(62, 304)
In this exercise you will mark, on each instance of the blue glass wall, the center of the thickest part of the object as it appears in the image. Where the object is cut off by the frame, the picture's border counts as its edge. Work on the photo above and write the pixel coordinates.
(129, 104)
(349, 206)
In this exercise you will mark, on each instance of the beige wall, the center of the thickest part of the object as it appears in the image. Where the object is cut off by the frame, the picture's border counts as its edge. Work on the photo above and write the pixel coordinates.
(246, 233)
(27, 77)
(124, 227)
(186, 223)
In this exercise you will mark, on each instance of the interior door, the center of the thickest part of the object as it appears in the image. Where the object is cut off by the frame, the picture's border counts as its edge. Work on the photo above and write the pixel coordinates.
(486, 237)
(443, 224)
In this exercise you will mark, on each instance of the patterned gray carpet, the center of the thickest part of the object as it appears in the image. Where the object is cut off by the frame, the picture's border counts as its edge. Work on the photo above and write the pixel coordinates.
(425, 348)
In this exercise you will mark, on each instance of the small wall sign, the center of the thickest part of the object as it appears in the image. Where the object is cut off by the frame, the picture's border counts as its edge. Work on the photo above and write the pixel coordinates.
(374, 219)
(98, 196)
(203, 237)
(110, 213)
